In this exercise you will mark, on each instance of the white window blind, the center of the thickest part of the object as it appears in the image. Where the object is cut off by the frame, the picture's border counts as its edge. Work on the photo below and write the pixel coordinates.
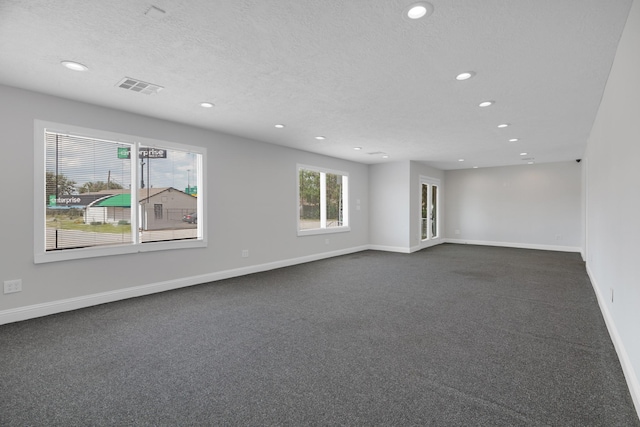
(82, 173)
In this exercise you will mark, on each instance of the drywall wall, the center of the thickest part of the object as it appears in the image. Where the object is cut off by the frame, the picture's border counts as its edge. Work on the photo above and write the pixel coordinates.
(251, 204)
(390, 199)
(394, 214)
(613, 202)
(531, 206)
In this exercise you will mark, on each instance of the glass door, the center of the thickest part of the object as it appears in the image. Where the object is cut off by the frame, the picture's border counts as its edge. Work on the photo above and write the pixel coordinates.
(429, 195)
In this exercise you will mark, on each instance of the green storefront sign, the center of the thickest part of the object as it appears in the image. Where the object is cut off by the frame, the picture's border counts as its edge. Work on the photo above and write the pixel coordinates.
(143, 153)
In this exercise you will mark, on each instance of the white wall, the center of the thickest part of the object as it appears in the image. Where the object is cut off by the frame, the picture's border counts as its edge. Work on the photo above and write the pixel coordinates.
(394, 215)
(530, 206)
(251, 197)
(613, 202)
(390, 198)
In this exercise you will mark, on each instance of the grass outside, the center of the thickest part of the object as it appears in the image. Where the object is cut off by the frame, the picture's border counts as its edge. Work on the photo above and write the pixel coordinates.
(70, 223)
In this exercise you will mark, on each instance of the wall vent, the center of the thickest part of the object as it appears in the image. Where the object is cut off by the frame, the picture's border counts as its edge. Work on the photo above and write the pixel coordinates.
(139, 86)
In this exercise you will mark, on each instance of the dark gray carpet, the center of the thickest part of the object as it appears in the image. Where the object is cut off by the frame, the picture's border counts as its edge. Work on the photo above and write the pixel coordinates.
(453, 335)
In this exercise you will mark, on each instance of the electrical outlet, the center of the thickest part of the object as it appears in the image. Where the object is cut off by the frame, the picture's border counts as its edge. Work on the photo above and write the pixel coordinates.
(245, 253)
(11, 286)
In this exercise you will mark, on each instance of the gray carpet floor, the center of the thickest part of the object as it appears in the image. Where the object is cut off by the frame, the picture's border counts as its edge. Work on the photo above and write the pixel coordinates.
(453, 335)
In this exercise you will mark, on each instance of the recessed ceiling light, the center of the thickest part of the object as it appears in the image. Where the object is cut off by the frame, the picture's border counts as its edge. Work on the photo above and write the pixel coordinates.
(529, 163)
(475, 167)
(320, 137)
(523, 154)
(503, 125)
(461, 160)
(385, 156)
(280, 126)
(357, 148)
(418, 10)
(75, 66)
(466, 75)
(206, 104)
(513, 140)
(486, 103)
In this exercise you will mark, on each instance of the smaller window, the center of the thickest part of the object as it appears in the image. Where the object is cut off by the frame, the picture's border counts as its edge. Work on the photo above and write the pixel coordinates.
(322, 201)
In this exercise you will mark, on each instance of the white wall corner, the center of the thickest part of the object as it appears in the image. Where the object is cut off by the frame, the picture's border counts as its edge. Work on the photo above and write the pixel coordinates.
(631, 376)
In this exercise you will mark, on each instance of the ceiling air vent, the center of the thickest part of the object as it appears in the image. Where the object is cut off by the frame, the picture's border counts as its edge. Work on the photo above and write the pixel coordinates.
(376, 153)
(139, 86)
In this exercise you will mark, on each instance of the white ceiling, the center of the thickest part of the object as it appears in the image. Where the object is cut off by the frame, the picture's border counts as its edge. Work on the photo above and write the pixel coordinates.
(354, 71)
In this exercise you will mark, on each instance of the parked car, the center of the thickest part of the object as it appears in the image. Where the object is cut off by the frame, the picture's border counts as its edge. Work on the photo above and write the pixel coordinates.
(191, 218)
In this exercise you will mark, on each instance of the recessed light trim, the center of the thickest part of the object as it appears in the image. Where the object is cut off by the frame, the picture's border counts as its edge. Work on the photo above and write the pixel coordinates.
(279, 126)
(75, 66)
(386, 156)
(461, 160)
(523, 154)
(357, 148)
(514, 140)
(504, 125)
(465, 76)
(418, 10)
(206, 104)
(486, 104)
(320, 138)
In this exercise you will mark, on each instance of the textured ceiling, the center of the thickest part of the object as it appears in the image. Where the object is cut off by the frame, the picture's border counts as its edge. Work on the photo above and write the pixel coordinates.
(354, 71)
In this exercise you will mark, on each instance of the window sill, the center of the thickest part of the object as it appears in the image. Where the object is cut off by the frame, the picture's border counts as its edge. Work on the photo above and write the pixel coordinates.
(95, 252)
(316, 231)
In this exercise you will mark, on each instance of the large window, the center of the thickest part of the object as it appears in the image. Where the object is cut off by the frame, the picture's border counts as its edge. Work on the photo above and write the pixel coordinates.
(322, 201)
(100, 193)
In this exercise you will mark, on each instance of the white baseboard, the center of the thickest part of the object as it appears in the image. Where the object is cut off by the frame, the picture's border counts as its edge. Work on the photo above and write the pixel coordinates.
(400, 249)
(60, 306)
(516, 245)
(633, 382)
(407, 250)
(428, 243)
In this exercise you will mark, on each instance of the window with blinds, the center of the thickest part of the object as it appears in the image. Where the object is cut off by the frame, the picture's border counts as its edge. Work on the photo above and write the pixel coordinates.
(81, 175)
(103, 194)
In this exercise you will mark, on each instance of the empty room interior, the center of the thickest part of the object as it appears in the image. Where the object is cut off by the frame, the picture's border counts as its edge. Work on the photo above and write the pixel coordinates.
(340, 212)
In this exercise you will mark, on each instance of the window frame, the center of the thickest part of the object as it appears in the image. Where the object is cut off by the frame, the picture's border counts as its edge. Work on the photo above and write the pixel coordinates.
(41, 255)
(345, 202)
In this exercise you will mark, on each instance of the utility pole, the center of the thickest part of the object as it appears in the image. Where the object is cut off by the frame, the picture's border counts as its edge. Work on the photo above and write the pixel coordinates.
(142, 174)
